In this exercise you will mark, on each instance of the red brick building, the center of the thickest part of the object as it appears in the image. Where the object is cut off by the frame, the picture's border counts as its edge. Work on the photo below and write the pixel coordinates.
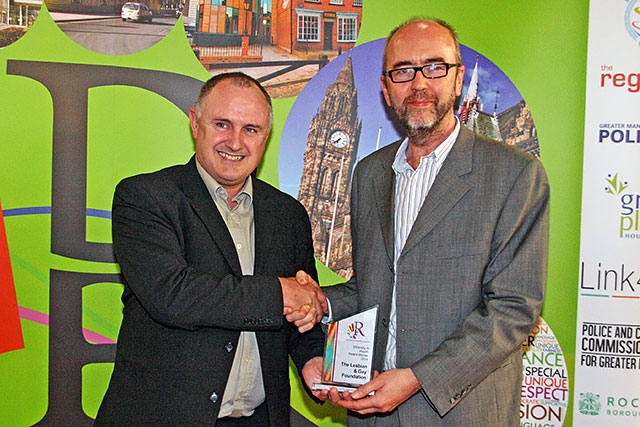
(315, 25)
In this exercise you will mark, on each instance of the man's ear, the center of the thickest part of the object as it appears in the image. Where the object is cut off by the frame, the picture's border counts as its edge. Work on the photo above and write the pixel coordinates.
(193, 121)
(459, 80)
(385, 92)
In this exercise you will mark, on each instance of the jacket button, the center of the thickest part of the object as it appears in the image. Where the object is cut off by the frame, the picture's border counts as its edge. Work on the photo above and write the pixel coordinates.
(213, 397)
(229, 347)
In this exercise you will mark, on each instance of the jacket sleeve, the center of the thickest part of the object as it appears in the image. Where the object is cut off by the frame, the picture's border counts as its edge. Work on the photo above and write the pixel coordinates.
(310, 344)
(177, 272)
(513, 285)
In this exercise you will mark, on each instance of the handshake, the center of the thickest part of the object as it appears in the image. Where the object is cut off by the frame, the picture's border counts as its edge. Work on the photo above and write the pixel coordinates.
(304, 302)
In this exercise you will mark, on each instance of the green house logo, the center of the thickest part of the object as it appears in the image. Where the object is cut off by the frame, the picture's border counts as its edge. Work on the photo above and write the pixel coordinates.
(615, 186)
(589, 404)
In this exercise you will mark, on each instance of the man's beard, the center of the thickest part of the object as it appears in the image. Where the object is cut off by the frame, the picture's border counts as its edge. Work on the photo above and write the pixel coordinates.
(428, 122)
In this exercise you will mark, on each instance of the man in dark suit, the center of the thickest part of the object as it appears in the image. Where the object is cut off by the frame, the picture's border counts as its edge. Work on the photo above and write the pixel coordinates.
(209, 254)
(450, 236)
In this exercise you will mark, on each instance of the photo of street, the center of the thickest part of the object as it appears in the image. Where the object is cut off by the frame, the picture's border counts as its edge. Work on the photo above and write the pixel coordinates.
(111, 35)
(282, 45)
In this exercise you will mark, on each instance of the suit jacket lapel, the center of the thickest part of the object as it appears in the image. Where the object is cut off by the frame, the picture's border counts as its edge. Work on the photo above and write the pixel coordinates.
(448, 187)
(384, 186)
(261, 219)
(196, 192)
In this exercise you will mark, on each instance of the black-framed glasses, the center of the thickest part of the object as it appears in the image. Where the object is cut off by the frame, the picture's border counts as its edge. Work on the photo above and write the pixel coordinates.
(434, 70)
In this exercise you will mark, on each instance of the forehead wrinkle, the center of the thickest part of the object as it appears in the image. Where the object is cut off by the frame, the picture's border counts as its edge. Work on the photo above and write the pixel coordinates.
(407, 62)
(238, 115)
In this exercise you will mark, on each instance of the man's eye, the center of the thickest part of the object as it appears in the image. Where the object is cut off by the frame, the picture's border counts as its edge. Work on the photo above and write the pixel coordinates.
(404, 71)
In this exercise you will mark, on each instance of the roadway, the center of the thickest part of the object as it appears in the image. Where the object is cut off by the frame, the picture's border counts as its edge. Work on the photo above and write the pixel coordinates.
(112, 36)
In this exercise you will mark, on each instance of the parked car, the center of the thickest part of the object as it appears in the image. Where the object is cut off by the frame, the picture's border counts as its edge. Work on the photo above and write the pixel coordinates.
(138, 12)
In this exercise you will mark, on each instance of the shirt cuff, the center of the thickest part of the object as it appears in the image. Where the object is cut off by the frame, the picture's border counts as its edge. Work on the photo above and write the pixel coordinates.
(328, 318)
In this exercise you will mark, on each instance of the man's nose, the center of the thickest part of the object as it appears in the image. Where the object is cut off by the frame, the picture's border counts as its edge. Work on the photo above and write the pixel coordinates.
(235, 140)
(420, 81)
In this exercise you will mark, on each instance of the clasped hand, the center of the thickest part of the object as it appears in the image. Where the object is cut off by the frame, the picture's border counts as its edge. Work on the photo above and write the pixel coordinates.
(384, 393)
(304, 301)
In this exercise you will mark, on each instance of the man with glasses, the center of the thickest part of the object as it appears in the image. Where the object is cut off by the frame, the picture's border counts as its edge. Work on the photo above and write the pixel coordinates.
(450, 236)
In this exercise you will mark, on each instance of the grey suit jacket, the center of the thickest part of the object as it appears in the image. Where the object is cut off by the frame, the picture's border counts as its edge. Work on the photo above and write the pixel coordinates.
(470, 279)
(186, 300)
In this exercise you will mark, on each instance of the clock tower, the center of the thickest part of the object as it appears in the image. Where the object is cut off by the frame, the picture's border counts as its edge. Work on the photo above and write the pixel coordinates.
(329, 159)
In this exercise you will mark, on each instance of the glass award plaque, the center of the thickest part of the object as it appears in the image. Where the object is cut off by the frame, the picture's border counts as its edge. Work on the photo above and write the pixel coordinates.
(348, 351)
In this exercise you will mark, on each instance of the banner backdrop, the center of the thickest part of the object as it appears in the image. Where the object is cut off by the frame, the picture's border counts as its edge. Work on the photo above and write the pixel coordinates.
(74, 122)
(607, 383)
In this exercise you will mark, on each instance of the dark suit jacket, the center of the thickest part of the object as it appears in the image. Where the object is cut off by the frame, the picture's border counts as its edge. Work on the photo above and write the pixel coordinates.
(186, 300)
(470, 278)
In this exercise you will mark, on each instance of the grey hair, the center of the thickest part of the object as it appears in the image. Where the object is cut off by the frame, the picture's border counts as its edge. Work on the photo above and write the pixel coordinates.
(239, 79)
(452, 31)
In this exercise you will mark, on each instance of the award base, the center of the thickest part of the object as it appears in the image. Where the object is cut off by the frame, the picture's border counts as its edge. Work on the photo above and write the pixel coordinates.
(340, 388)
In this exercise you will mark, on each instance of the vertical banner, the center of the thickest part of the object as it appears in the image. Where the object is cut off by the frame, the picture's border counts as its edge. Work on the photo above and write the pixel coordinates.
(607, 371)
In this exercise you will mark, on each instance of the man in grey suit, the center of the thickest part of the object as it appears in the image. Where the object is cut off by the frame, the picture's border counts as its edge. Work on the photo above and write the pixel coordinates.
(208, 253)
(450, 237)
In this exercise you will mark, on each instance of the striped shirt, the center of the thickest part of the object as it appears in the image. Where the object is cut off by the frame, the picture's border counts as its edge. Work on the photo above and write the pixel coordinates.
(411, 188)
